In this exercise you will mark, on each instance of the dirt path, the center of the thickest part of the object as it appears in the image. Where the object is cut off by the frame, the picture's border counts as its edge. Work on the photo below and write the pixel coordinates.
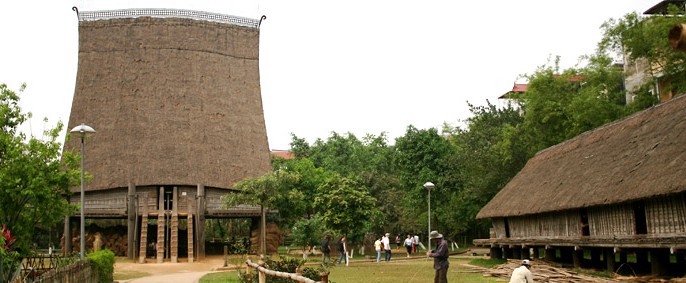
(166, 272)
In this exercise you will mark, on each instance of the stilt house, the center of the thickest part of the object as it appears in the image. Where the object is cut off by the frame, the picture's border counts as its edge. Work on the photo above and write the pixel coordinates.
(174, 96)
(609, 198)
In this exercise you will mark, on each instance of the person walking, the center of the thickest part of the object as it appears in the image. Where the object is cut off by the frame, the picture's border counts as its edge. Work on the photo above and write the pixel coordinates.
(440, 255)
(387, 246)
(343, 250)
(377, 247)
(415, 242)
(326, 250)
(522, 274)
(408, 244)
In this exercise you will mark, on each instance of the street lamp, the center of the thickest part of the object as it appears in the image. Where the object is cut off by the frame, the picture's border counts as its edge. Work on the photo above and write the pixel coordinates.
(429, 186)
(81, 131)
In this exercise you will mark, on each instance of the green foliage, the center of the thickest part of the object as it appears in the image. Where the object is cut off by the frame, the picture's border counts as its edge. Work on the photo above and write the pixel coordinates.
(346, 206)
(308, 232)
(33, 179)
(103, 262)
(300, 193)
(423, 156)
(561, 105)
(644, 39)
(368, 161)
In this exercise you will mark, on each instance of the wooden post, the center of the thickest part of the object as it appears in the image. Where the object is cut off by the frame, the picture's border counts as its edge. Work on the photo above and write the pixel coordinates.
(160, 227)
(144, 239)
(577, 257)
(262, 277)
(567, 254)
(549, 253)
(190, 237)
(496, 252)
(642, 260)
(516, 252)
(610, 259)
(507, 252)
(131, 225)
(67, 236)
(200, 224)
(595, 258)
(325, 277)
(659, 261)
(174, 239)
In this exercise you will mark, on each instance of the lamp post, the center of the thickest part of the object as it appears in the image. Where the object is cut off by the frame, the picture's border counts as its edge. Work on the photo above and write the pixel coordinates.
(82, 130)
(429, 186)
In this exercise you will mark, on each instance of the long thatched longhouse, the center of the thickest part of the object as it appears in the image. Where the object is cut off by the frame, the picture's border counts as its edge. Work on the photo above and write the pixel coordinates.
(610, 196)
(174, 96)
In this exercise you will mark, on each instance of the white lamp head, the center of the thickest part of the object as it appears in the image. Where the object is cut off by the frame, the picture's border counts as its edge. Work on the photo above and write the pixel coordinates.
(429, 185)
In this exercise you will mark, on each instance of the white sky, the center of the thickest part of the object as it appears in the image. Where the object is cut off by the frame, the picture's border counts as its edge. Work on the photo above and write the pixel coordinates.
(359, 66)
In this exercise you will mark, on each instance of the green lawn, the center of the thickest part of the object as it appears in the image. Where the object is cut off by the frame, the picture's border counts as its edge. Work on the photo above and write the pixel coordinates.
(418, 270)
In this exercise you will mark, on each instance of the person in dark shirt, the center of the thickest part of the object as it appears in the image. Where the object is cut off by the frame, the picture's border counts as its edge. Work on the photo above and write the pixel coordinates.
(326, 250)
(440, 255)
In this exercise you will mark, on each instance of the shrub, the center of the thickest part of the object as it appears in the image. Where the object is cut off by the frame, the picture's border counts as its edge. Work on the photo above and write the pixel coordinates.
(102, 262)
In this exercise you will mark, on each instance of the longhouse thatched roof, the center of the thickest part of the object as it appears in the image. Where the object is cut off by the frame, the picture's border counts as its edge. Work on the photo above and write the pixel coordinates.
(639, 157)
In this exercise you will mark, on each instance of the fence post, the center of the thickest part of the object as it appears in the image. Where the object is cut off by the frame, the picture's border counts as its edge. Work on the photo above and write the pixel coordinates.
(262, 277)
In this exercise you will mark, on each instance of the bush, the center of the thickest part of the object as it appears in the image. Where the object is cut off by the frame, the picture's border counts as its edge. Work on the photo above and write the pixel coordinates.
(102, 262)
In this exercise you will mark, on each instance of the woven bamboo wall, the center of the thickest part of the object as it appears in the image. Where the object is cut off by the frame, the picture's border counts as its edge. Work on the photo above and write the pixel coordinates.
(666, 215)
(611, 220)
(174, 102)
(545, 225)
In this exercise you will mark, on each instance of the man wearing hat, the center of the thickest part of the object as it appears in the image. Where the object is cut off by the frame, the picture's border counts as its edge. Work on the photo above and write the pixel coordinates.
(522, 274)
(440, 255)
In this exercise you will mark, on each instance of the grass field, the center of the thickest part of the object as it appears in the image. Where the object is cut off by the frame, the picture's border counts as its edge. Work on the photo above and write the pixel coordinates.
(409, 271)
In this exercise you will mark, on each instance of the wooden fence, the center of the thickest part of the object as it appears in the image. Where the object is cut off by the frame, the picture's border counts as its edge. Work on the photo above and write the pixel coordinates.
(34, 270)
(263, 272)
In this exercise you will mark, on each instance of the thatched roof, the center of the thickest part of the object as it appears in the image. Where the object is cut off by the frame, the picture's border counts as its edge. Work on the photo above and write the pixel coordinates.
(174, 102)
(636, 158)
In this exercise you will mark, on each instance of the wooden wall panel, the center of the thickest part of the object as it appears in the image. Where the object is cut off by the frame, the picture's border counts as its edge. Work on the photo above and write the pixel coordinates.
(666, 215)
(611, 220)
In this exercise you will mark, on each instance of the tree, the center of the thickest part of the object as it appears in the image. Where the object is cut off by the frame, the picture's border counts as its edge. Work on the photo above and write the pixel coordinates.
(559, 105)
(368, 161)
(422, 156)
(346, 207)
(307, 232)
(490, 151)
(299, 202)
(644, 39)
(34, 180)
(264, 191)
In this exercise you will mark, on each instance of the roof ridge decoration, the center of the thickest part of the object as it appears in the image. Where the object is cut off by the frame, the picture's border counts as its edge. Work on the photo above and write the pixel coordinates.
(167, 13)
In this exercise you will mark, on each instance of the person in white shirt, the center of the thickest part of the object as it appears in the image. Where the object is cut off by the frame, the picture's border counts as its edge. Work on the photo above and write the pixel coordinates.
(377, 247)
(522, 274)
(387, 246)
(408, 244)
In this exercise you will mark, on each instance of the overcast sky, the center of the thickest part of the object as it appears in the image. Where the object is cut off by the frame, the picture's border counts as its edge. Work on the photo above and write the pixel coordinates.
(363, 67)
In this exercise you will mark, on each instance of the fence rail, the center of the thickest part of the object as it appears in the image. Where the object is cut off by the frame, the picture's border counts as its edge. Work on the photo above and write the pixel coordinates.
(293, 276)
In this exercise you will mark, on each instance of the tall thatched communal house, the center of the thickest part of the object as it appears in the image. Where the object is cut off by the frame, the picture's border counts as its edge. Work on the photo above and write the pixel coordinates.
(174, 96)
(610, 196)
